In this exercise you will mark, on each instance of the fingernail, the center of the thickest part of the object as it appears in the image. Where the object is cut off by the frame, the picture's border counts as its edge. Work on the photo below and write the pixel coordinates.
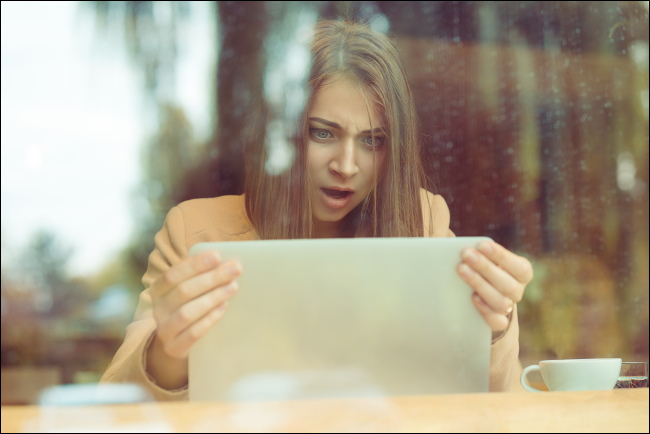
(232, 287)
(234, 269)
(211, 259)
(465, 270)
(470, 256)
(509, 310)
(485, 247)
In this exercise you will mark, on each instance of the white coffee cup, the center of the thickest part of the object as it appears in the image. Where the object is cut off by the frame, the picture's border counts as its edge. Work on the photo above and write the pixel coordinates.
(575, 374)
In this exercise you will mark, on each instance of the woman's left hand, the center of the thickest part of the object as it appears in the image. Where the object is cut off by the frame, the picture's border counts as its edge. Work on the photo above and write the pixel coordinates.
(498, 277)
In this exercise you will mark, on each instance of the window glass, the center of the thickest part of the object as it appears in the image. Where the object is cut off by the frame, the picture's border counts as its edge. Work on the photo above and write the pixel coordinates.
(534, 119)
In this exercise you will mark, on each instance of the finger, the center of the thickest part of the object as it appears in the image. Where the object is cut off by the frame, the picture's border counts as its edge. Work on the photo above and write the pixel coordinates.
(184, 270)
(517, 266)
(181, 344)
(499, 278)
(490, 295)
(201, 284)
(184, 318)
(496, 321)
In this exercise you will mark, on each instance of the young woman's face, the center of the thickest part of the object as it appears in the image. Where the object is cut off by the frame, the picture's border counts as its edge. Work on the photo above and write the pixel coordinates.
(342, 154)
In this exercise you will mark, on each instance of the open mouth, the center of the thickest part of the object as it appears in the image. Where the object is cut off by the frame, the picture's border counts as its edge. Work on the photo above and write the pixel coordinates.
(336, 194)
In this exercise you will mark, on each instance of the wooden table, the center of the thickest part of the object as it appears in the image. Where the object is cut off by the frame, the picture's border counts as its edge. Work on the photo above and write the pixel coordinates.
(606, 411)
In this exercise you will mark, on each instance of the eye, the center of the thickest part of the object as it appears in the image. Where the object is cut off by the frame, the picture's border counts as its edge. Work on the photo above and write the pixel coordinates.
(375, 142)
(320, 134)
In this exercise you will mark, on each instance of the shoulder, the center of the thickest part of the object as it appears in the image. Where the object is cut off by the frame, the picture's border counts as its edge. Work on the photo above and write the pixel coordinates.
(221, 204)
(435, 214)
(224, 215)
(193, 221)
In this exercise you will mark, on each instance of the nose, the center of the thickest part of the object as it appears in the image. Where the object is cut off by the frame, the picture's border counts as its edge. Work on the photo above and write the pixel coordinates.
(344, 162)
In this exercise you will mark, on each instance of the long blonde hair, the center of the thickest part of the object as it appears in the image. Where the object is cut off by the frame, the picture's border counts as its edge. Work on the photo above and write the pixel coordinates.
(279, 206)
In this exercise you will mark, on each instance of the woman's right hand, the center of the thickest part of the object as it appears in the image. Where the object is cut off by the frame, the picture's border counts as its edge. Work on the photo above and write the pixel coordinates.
(188, 299)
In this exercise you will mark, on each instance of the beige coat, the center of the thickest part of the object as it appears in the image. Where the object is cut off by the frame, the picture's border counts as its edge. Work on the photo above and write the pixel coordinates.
(224, 219)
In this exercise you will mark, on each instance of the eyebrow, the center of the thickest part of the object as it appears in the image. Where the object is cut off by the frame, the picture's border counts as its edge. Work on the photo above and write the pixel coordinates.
(337, 126)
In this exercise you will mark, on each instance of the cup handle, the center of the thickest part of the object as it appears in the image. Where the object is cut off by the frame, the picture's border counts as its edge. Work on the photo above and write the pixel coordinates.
(524, 381)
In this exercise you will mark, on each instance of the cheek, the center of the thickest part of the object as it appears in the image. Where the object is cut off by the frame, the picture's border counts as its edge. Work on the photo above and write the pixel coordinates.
(366, 164)
(317, 159)
(312, 156)
(374, 163)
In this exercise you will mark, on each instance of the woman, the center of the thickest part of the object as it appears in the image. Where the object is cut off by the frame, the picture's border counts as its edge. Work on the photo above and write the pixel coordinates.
(356, 173)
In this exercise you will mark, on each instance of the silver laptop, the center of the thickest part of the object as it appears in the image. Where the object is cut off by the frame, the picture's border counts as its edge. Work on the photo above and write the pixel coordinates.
(335, 318)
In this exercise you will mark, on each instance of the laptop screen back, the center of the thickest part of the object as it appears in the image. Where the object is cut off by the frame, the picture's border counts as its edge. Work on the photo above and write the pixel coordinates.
(341, 318)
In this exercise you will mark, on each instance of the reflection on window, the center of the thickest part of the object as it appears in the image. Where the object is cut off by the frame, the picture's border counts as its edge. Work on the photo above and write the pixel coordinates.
(535, 130)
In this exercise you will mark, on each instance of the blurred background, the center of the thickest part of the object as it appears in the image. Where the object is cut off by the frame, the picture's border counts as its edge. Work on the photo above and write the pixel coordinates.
(535, 130)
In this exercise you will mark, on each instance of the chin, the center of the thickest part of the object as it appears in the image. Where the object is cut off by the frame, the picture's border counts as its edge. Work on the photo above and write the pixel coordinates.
(330, 217)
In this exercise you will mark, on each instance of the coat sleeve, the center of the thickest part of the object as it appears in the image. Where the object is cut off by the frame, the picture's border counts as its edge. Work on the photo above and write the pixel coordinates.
(504, 353)
(128, 364)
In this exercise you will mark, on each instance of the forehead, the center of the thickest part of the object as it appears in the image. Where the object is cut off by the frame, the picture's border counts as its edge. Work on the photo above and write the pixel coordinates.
(346, 103)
